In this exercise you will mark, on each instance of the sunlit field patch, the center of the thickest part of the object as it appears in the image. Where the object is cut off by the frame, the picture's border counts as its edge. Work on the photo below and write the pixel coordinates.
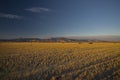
(59, 61)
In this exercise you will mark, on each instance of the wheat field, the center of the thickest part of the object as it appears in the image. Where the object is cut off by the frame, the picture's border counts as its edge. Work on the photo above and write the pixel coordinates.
(59, 61)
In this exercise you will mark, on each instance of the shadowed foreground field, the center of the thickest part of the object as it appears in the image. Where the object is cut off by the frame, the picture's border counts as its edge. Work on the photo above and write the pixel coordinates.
(59, 61)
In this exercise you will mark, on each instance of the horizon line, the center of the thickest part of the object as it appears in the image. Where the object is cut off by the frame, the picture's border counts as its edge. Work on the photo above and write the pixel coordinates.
(47, 37)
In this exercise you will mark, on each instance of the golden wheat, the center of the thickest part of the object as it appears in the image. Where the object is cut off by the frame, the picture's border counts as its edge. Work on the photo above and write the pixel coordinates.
(58, 61)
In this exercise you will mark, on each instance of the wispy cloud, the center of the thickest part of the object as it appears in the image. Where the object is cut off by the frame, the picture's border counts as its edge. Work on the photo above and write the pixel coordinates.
(38, 9)
(10, 16)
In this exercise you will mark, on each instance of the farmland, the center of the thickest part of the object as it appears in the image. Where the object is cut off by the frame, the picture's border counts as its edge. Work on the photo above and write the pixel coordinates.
(59, 61)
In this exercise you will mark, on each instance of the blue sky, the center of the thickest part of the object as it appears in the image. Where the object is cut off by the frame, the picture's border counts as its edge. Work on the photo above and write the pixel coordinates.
(39, 18)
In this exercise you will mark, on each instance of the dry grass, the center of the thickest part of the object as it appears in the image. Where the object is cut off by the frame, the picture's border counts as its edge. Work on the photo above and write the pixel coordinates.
(58, 61)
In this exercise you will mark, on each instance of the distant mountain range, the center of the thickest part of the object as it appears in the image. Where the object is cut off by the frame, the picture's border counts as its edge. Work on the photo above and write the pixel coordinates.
(66, 39)
(101, 38)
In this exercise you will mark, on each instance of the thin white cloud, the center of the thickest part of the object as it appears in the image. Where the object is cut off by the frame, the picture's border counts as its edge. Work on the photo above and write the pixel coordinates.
(38, 9)
(10, 16)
